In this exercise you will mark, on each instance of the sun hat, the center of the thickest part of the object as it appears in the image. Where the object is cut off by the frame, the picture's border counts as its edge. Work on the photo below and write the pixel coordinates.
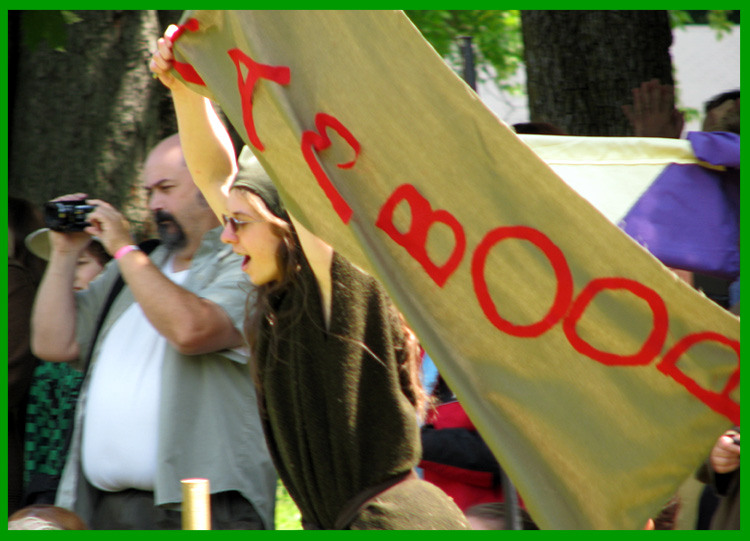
(38, 243)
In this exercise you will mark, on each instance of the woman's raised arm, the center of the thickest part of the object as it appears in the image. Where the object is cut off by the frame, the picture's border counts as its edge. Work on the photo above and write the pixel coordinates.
(207, 147)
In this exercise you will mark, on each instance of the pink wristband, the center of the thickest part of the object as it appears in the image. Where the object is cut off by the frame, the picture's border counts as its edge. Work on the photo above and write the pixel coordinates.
(125, 250)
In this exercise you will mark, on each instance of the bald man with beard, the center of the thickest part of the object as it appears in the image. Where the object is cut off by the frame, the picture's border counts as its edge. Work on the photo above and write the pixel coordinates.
(166, 396)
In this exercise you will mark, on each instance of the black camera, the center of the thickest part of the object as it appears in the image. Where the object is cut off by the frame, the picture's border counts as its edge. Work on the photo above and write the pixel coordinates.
(67, 216)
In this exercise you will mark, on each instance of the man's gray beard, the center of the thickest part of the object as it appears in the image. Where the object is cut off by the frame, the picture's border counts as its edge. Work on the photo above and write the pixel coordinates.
(172, 238)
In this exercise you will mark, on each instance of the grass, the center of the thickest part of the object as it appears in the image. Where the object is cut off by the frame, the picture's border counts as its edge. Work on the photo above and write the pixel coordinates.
(287, 515)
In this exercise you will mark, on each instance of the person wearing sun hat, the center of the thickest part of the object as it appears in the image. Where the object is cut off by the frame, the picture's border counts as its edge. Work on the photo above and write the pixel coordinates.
(90, 263)
(54, 390)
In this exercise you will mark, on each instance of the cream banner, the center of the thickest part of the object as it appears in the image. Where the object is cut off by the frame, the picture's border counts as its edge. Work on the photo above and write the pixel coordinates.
(598, 378)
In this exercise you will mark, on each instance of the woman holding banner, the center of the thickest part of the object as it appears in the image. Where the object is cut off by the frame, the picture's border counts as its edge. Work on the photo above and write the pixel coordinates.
(335, 366)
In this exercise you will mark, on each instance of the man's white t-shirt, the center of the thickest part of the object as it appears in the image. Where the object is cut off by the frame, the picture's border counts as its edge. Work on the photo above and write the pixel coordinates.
(120, 428)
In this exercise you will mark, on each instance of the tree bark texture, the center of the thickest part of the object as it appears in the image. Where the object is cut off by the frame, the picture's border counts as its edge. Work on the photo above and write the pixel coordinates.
(84, 119)
(581, 66)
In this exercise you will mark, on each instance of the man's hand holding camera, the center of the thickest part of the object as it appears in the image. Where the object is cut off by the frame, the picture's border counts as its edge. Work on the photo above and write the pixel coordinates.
(109, 226)
(74, 219)
(58, 216)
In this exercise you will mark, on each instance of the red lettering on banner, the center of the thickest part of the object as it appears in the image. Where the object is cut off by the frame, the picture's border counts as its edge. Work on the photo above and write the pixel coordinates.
(563, 295)
(188, 73)
(186, 70)
(191, 24)
(653, 344)
(255, 71)
(719, 402)
(311, 142)
(423, 217)
(415, 240)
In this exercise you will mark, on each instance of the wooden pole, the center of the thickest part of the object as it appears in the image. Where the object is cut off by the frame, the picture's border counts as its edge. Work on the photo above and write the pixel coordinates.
(196, 504)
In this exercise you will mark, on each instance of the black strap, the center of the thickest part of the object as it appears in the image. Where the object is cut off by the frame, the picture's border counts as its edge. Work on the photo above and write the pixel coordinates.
(147, 246)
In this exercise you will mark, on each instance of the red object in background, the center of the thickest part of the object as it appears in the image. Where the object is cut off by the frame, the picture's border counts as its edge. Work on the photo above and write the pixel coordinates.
(467, 486)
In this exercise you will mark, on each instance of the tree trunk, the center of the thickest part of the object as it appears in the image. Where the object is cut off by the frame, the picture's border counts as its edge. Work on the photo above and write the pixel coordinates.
(582, 65)
(84, 119)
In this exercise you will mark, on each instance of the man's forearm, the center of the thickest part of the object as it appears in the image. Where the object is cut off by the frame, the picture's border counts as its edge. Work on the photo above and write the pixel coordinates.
(192, 325)
(207, 147)
(53, 321)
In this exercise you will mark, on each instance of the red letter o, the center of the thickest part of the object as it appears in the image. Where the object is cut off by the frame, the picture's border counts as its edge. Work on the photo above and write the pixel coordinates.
(556, 258)
(653, 344)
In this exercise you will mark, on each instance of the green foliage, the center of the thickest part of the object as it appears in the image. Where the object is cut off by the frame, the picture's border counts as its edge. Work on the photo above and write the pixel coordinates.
(50, 26)
(287, 514)
(717, 19)
(691, 113)
(496, 37)
(679, 18)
